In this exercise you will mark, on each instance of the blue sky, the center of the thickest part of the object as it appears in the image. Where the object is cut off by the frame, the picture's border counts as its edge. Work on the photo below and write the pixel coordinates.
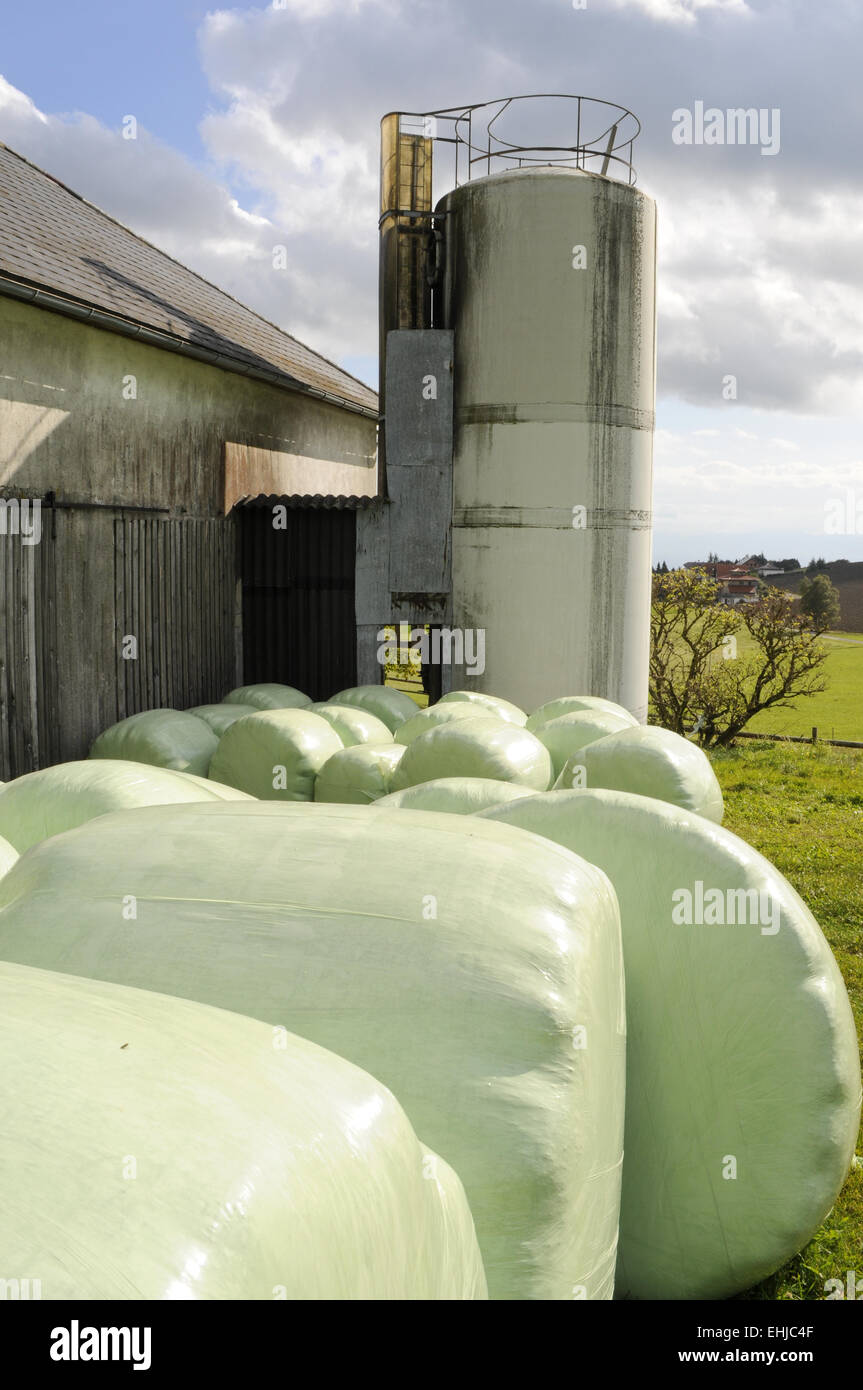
(257, 126)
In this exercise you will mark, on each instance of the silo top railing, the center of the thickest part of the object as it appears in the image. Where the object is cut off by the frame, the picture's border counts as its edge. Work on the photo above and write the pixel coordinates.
(602, 132)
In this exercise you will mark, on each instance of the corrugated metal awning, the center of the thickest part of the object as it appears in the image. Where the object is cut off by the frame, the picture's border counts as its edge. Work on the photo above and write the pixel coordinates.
(307, 500)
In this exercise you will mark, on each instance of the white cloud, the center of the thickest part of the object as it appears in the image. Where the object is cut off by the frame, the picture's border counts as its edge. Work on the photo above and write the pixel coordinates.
(683, 11)
(763, 288)
(17, 105)
(741, 485)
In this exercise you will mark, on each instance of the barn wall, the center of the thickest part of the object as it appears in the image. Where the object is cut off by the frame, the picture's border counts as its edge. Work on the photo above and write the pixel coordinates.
(136, 542)
(65, 425)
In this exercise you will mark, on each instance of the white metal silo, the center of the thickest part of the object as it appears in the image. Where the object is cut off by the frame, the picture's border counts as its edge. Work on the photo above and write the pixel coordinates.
(549, 286)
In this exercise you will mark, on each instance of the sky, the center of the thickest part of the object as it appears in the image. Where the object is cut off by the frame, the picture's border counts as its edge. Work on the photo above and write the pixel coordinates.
(256, 126)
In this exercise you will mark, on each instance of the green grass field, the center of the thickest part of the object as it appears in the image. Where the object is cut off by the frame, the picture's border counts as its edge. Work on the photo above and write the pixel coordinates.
(838, 712)
(802, 807)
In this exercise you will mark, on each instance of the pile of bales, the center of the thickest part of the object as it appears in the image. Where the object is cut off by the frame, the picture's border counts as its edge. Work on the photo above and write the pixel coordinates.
(431, 974)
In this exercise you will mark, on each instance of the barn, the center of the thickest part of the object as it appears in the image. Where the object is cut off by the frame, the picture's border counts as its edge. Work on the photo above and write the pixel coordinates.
(179, 483)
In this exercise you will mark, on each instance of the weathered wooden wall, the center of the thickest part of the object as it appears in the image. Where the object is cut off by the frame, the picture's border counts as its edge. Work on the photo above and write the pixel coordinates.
(170, 584)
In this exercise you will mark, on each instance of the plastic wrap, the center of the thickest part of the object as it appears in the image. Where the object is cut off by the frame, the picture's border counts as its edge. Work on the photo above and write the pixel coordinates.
(648, 762)
(460, 796)
(569, 704)
(8, 852)
(569, 733)
(156, 1149)
(392, 707)
(267, 696)
(359, 775)
(481, 747)
(59, 798)
(353, 725)
(430, 718)
(743, 1076)
(221, 717)
(487, 704)
(473, 969)
(168, 738)
(275, 754)
(218, 791)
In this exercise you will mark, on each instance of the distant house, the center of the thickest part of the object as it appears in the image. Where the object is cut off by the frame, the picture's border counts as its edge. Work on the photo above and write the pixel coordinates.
(738, 583)
(149, 424)
(739, 589)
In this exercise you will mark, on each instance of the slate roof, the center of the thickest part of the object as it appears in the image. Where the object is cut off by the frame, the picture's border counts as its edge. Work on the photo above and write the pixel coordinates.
(54, 240)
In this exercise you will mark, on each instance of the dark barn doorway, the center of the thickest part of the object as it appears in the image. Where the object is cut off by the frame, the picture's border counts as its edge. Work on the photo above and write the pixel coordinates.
(299, 626)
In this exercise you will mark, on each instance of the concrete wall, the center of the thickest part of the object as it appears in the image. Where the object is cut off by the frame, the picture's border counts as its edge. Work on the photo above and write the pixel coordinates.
(403, 572)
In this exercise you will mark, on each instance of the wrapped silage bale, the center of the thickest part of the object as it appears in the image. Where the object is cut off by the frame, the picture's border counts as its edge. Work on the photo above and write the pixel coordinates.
(267, 696)
(221, 717)
(648, 761)
(478, 977)
(169, 738)
(487, 704)
(275, 754)
(218, 791)
(58, 798)
(743, 1074)
(426, 719)
(481, 747)
(392, 707)
(569, 704)
(153, 1148)
(569, 733)
(460, 796)
(353, 725)
(8, 853)
(360, 774)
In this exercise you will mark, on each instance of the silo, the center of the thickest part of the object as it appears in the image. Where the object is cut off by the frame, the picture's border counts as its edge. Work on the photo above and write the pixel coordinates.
(549, 286)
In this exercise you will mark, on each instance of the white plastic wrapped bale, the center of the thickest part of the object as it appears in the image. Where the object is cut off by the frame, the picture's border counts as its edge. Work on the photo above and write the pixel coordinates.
(569, 704)
(353, 725)
(58, 798)
(426, 719)
(569, 733)
(8, 853)
(268, 696)
(392, 707)
(359, 775)
(275, 754)
(487, 704)
(648, 761)
(459, 796)
(152, 1148)
(479, 978)
(481, 747)
(743, 1075)
(169, 738)
(221, 717)
(218, 791)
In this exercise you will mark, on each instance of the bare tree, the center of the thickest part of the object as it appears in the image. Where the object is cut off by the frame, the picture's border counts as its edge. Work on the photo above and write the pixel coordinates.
(700, 683)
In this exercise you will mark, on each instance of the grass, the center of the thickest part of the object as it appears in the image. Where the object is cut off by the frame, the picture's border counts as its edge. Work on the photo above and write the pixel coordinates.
(838, 712)
(802, 807)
